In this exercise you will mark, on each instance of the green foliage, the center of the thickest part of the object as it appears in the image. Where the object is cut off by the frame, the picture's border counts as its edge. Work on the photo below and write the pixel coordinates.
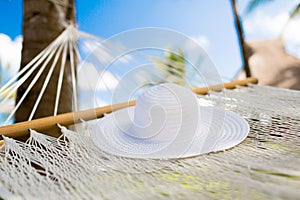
(253, 4)
(173, 66)
(295, 12)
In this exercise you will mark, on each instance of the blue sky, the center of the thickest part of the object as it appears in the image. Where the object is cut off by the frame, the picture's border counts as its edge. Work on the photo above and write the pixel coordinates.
(208, 22)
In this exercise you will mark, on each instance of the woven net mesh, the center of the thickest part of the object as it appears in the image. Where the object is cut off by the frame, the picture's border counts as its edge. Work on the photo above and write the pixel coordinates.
(264, 166)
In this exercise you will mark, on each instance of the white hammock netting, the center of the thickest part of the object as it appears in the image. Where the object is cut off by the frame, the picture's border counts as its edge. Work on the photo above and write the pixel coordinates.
(264, 166)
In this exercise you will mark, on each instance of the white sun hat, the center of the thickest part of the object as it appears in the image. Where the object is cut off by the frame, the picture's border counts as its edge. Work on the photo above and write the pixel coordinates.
(168, 123)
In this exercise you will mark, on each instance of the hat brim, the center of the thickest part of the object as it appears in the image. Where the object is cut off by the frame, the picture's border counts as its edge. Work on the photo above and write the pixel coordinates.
(218, 130)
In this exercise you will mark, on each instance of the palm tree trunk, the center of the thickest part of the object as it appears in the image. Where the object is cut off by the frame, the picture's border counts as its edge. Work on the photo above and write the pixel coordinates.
(241, 39)
(43, 21)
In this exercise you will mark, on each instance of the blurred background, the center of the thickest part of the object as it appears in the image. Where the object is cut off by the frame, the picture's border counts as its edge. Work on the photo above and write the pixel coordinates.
(259, 38)
(271, 29)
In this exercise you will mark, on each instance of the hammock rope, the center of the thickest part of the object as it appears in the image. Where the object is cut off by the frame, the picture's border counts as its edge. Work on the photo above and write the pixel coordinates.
(46, 82)
(56, 49)
(71, 44)
(32, 65)
(32, 83)
(264, 166)
(60, 79)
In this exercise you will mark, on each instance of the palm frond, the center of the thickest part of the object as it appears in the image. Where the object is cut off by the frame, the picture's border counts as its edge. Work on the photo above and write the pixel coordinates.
(173, 66)
(253, 4)
(295, 11)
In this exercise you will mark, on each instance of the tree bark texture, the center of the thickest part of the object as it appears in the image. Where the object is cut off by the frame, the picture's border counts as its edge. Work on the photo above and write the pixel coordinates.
(43, 22)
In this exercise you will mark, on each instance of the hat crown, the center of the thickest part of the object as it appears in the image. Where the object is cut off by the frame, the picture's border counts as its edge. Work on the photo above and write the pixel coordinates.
(162, 112)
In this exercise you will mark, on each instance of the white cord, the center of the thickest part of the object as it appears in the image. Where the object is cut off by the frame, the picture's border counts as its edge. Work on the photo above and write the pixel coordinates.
(74, 85)
(87, 35)
(46, 82)
(39, 58)
(31, 84)
(60, 78)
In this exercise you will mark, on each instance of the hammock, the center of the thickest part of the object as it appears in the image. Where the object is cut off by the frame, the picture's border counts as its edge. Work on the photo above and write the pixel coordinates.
(264, 166)
(64, 43)
(101, 65)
